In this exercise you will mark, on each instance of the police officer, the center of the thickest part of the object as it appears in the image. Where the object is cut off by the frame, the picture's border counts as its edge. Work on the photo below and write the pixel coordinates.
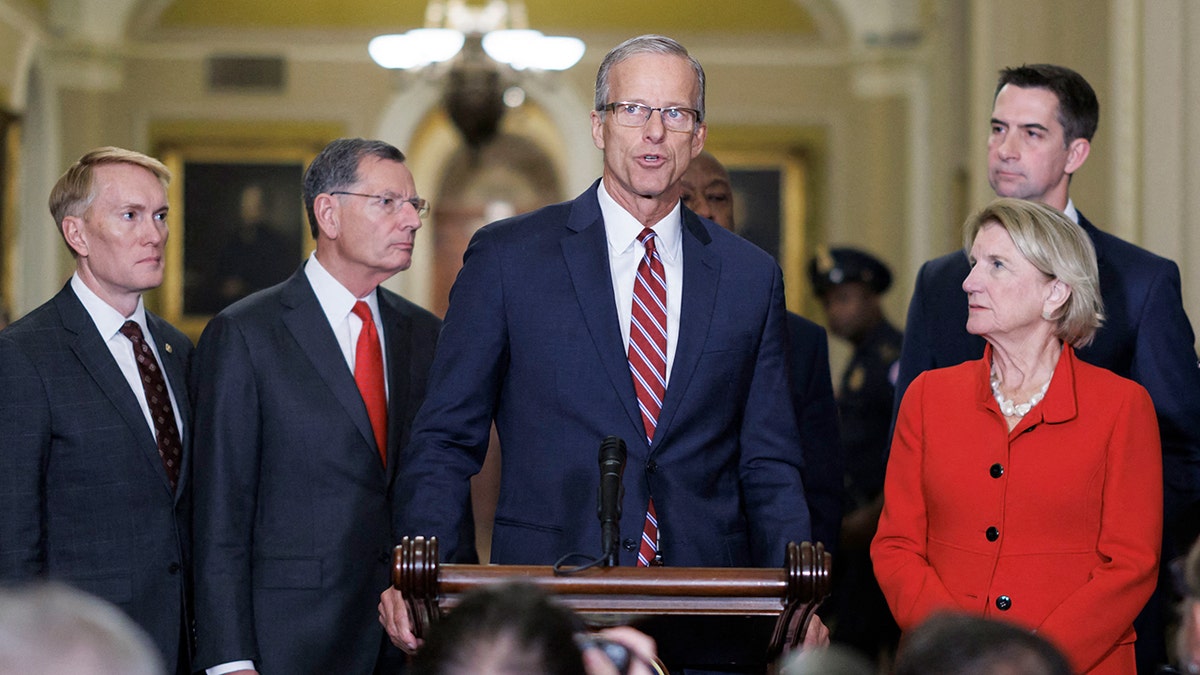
(849, 283)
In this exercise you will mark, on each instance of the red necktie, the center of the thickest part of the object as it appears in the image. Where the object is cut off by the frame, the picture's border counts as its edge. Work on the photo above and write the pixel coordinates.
(158, 399)
(648, 361)
(368, 375)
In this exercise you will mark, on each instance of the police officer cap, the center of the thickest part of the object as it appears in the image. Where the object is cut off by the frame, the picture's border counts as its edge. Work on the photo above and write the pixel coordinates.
(830, 267)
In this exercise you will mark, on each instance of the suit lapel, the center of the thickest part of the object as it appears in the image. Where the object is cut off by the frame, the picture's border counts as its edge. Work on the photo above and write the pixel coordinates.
(585, 251)
(397, 338)
(176, 371)
(701, 274)
(1093, 232)
(304, 318)
(89, 347)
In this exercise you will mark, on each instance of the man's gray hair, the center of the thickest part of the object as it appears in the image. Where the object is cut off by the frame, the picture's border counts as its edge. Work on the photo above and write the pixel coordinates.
(646, 44)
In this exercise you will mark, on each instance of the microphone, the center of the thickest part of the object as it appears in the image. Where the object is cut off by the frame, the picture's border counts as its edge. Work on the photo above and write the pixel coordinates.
(612, 465)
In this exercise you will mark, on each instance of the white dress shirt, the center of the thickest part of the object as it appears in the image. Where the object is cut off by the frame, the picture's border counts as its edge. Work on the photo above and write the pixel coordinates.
(338, 305)
(621, 230)
(109, 321)
(1071, 212)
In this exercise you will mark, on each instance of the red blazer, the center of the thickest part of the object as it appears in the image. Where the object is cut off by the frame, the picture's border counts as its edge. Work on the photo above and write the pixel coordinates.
(1055, 525)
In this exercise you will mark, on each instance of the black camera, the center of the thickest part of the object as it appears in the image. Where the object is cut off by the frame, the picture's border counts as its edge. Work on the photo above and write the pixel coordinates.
(615, 651)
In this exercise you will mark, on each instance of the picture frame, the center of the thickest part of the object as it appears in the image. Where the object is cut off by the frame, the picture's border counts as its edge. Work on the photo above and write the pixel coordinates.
(238, 224)
(10, 143)
(771, 210)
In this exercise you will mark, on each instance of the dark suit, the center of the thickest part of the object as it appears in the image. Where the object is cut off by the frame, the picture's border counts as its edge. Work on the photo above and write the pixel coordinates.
(293, 505)
(84, 497)
(816, 412)
(1146, 337)
(532, 340)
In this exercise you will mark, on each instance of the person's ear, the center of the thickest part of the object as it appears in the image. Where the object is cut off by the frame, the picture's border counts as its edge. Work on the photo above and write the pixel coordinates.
(698, 138)
(1191, 610)
(1077, 153)
(72, 230)
(326, 209)
(598, 128)
(1060, 292)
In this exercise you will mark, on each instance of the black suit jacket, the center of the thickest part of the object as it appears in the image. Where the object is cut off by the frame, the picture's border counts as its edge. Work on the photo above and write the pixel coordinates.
(817, 415)
(293, 505)
(84, 497)
(1146, 337)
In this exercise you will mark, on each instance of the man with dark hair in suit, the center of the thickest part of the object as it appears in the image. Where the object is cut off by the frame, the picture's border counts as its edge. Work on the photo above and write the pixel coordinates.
(94, 481)
(618, 313)
(305, 393)
(708, 192)
(1043, 120)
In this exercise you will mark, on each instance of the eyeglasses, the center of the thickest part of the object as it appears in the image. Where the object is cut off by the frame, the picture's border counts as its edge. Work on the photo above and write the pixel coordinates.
(629, 114)
(392, 205)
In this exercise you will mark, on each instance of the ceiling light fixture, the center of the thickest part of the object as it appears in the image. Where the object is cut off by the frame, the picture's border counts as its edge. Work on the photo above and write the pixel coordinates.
(502, 27)
(486, 51)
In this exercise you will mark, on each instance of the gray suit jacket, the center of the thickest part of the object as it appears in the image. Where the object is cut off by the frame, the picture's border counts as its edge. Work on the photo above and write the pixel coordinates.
(293, 506)
(84, 498)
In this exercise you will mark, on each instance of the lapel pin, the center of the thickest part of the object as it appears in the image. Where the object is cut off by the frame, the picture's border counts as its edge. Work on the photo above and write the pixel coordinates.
(167, 346)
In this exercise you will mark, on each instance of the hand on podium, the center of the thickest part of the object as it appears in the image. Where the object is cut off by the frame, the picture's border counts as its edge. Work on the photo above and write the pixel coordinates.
(816, 635)
(393, 614)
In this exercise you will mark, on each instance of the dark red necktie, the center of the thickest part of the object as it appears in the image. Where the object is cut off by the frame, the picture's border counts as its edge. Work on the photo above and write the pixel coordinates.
(368, 375)
(648, 361)
(158, 399)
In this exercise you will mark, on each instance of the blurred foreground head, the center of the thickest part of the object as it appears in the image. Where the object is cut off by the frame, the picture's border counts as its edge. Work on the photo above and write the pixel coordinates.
(501, 630)
(55, 630)
(957, 644)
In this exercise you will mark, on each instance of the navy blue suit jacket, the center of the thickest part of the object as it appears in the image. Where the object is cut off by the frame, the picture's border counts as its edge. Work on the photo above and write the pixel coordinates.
(532, 340)
(1146, 337)
(293, 505)
(84, 497)
(817, 415)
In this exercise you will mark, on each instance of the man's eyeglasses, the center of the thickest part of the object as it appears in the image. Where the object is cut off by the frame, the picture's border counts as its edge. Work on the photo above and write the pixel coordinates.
(629, 114)
(392, 205)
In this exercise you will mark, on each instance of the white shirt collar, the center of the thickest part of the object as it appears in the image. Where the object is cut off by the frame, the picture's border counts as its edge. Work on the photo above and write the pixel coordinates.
(335, 300)
(1071, 212)
(107, 319)
(621, 228)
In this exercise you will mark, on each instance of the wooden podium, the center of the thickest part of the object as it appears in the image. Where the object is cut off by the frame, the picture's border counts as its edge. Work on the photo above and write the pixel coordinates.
(617, 595)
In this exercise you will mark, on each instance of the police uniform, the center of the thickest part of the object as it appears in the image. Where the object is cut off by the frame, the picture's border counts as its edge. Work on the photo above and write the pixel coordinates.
(864, 402)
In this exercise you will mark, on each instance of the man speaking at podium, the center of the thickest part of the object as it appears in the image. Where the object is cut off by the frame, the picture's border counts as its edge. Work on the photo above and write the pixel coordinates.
(619, 313)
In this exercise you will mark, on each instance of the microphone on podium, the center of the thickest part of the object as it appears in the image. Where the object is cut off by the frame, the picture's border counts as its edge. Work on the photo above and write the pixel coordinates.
(612, 466)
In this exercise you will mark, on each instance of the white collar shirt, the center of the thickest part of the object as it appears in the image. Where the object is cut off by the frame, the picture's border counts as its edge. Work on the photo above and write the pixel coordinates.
(621, 230)
(338, 304)
(108, 322)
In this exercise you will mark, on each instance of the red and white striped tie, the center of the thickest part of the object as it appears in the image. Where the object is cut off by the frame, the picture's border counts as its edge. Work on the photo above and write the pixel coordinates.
(648, 361)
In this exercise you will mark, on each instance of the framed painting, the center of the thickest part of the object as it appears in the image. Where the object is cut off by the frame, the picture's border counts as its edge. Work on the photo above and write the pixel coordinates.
(9, 146)
(769, 200)
(238, 225)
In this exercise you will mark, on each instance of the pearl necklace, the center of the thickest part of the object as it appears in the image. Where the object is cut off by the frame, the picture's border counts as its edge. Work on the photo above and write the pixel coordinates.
(1006, 404)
